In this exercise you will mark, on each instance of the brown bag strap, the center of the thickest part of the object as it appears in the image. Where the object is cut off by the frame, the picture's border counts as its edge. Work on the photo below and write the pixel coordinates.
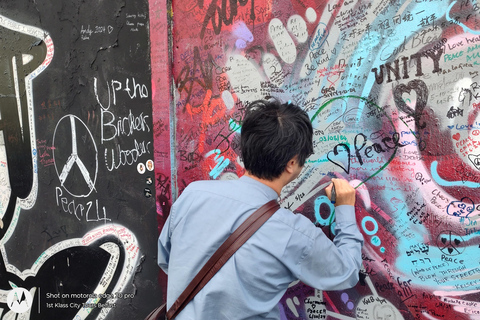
(223, 253)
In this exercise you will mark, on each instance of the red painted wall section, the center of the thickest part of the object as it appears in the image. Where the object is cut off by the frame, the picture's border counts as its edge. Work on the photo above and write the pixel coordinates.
(161, 98)
(392, 92)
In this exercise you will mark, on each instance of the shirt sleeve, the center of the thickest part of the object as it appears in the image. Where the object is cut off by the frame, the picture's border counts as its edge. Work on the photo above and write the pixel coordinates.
(164, 245)
(334, 265)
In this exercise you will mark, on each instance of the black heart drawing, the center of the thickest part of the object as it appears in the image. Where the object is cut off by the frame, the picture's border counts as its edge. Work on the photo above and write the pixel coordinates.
(421, 90)
(457, 242)
(444, 240)
(450, 250)
(339, 159)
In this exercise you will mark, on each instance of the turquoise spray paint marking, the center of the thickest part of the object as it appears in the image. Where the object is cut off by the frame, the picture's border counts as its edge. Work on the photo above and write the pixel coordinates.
(221, 161)
(375, 240)
(330, 220)
(437, 268)
(436, 177)
(364, 225)
(318, 202)
(234, 126)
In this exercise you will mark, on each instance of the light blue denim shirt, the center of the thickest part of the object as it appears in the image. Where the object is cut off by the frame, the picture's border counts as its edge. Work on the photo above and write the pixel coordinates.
(286, 248)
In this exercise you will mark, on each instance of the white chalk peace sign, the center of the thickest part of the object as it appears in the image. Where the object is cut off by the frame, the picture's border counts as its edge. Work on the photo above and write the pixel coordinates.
(83, 154)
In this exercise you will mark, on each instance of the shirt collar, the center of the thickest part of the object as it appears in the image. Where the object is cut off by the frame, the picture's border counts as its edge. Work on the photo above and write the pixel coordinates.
(269, 192)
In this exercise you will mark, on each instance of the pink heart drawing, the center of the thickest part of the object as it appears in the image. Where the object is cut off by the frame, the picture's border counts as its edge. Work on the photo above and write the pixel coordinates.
(456, 136)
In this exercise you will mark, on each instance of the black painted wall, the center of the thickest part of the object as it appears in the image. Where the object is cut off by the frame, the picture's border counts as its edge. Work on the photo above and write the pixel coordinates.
(76, 160)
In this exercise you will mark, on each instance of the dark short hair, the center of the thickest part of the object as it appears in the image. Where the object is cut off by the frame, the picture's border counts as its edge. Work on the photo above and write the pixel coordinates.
(272, 134)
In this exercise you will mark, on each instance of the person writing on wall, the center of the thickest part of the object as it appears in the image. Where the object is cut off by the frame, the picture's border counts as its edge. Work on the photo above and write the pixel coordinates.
(276, 140)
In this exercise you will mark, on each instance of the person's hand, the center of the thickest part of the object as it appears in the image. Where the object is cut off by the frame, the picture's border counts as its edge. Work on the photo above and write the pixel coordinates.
(345, 193)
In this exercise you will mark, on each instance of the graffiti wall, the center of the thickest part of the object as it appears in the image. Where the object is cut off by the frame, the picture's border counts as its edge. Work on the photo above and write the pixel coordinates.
(392, 91)
(77, 199)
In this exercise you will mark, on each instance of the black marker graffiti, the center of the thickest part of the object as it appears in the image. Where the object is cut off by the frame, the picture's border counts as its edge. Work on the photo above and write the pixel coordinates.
(187, 77)
(218, 15)
(421, 90)
(434, 55)
(360, 141)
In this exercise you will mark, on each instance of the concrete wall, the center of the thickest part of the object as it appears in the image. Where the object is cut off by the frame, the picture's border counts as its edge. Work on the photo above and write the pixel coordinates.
(391, 88)
(77, 200)
(92, 90)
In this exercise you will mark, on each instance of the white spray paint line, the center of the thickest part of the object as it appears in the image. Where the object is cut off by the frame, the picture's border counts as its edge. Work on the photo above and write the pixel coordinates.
(339, 316)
